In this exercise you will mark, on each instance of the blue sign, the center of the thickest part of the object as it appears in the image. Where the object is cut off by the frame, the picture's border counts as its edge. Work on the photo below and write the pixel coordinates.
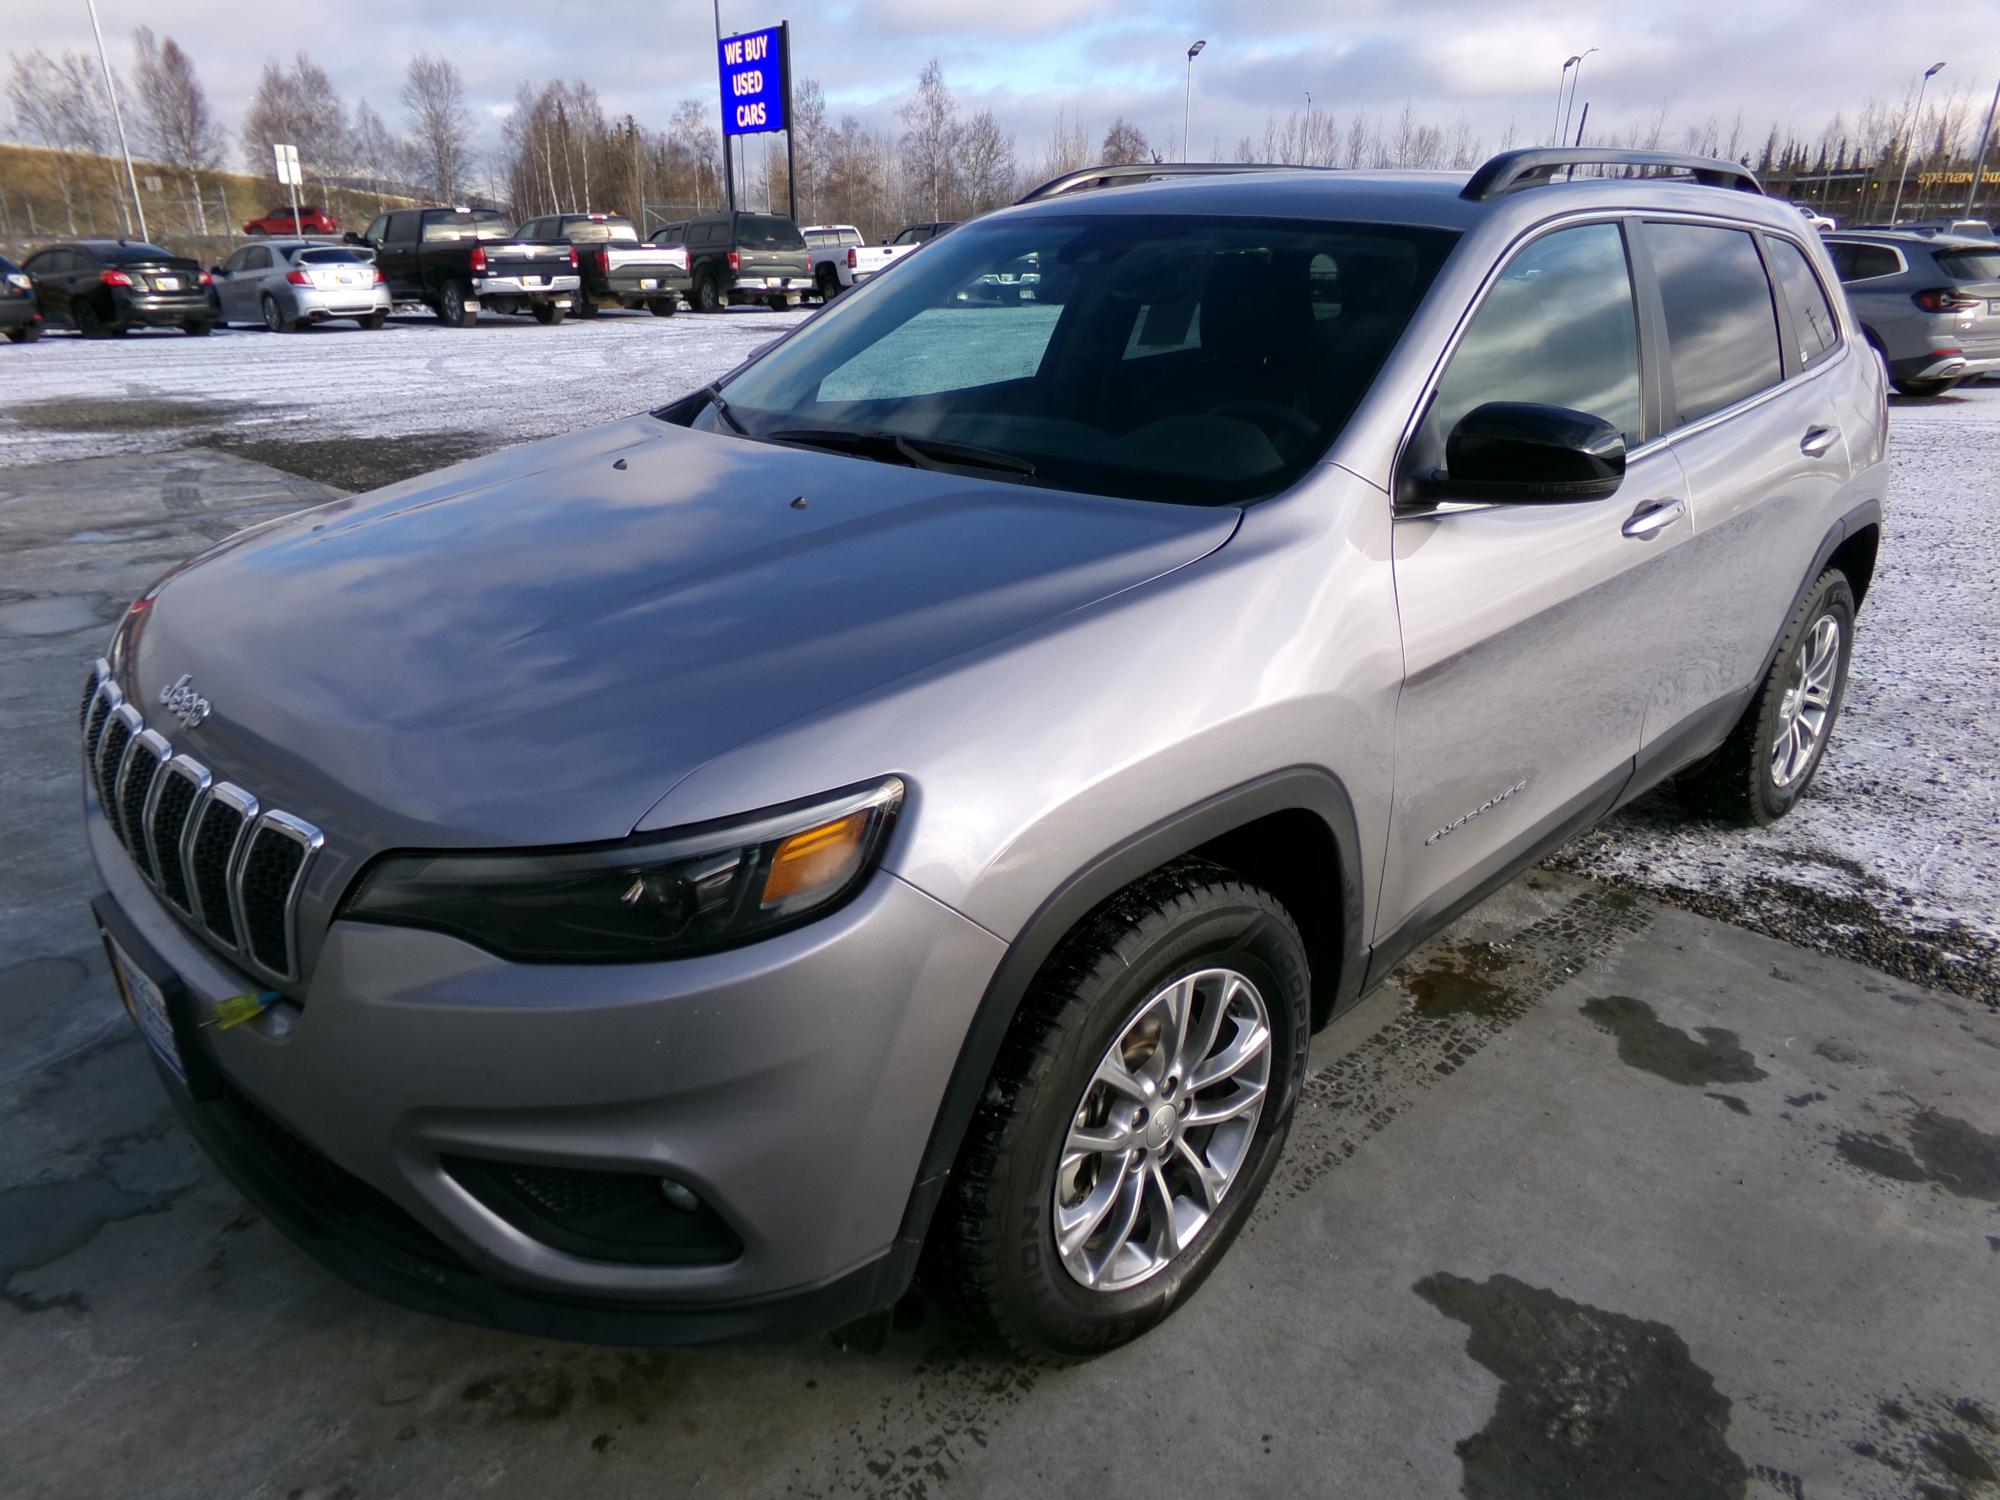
(753, 81)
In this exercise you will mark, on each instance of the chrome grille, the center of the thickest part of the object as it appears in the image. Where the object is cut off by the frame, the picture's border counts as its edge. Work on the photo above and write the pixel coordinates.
(232, 869)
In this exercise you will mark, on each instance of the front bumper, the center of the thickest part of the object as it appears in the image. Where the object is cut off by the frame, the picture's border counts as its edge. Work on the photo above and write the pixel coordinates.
(792, 1085)
(16, 312)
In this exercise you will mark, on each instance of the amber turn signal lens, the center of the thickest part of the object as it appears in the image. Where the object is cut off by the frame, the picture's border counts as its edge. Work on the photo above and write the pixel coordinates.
(816, 858)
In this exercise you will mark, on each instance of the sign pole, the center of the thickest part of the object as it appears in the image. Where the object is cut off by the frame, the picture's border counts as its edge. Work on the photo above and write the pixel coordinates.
(728, 166)
(791, 156)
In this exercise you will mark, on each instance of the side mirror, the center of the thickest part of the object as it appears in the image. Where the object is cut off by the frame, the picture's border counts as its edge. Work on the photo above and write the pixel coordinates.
(1526, 453)
(217, 271)
(351, 238)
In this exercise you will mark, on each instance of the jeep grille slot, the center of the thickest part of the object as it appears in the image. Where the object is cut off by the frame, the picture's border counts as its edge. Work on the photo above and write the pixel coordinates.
(210, 857)
(142, 764)
(233, 871)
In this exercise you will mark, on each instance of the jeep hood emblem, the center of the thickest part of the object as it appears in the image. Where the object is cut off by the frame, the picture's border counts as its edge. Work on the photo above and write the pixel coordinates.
(184, 703)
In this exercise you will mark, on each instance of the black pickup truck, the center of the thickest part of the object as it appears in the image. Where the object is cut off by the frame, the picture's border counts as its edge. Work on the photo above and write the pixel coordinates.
(618, 270)
(457, 260)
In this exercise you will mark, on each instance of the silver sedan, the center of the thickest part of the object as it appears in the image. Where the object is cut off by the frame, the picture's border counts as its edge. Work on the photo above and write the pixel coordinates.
(288, 284)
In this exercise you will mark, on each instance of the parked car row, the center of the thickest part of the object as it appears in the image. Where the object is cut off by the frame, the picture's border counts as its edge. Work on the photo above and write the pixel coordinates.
(455, 261)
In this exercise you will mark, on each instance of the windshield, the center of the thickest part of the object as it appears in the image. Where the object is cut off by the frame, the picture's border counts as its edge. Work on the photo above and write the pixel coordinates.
(768, 232)
(470, 226)
(1199, 360)
(1971, 265)
(601, 232)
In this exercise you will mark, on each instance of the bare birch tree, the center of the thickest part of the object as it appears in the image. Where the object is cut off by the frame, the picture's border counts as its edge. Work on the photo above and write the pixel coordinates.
(174, 119)
(440, 124)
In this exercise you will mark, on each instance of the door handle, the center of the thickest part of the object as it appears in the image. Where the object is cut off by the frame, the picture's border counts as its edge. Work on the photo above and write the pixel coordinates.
(1817, 440)
(1650, 522)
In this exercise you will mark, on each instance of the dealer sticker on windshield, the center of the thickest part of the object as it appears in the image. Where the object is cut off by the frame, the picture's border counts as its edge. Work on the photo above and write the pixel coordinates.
(148, 1006)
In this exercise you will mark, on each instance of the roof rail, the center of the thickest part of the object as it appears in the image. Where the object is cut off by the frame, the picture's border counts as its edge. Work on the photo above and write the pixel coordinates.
(1115, 176)
(1537, 164)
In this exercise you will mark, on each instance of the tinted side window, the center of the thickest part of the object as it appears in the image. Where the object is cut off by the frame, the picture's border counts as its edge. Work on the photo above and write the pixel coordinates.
(1812, 314)
(257, 258)
(1722, 326)
(402, 227)
(1558, 327)
(1859, 262)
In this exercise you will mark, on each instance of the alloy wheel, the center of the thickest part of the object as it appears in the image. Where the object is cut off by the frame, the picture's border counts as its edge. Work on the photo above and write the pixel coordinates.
(1808, 702)
(1162, 1130)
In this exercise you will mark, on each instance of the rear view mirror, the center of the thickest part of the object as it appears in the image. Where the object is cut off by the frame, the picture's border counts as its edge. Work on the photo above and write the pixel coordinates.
(1521, 452)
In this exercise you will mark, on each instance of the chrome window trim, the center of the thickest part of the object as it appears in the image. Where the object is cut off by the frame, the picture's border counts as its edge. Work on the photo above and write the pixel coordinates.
(311, 841)
(193, 770)
(1902, 260)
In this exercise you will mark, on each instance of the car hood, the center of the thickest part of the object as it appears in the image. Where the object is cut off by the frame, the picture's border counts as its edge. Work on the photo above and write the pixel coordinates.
(534, 647)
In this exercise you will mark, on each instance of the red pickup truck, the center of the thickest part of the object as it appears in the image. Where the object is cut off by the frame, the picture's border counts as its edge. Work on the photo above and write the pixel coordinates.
(312, 220)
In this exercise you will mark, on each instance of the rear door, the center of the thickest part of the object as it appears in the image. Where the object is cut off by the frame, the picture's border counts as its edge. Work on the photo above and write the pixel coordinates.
(1758, 433)
(397, 253)
(47, 271)
(1531, 632)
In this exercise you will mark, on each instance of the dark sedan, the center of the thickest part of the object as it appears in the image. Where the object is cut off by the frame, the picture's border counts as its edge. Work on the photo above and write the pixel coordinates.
(20, 316)
(106, 287)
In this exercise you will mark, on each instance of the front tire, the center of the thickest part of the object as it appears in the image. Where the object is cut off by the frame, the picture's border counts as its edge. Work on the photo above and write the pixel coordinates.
(663, 307)
(1770, 758)
(373, 321)
(583, 307)
(197, 330)
(1137, 1109)
(549, 312)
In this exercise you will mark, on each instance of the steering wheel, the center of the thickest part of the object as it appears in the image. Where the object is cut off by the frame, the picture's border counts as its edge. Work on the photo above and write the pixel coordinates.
(1279, 417)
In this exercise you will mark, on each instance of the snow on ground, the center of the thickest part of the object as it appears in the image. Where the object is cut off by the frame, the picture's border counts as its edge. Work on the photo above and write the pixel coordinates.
(503, 381)
(1894, 855)
(1894, 858)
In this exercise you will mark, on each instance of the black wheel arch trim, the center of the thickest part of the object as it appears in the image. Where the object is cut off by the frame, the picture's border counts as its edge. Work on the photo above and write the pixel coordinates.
(1308, 789)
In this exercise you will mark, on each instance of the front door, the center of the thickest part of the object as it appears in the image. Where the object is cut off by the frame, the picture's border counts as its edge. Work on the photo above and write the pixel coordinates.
(1530, 631)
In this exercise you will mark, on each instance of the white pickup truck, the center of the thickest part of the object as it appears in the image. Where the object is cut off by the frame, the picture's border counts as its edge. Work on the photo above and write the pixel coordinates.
(842, 257)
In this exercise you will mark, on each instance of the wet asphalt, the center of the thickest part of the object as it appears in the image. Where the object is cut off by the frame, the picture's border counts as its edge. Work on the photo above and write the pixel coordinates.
(1598, 1198)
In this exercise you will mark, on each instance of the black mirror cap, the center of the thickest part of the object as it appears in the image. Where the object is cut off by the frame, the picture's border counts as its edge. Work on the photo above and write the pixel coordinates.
(351, 238)
(1524, 452)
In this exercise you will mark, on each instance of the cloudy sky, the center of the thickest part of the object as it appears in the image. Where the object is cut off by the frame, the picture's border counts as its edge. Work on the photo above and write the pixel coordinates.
(1789, 61)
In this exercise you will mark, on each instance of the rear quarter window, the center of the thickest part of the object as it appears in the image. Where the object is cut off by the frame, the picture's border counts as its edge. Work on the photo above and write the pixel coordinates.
(1970, 265)
(1813, 323)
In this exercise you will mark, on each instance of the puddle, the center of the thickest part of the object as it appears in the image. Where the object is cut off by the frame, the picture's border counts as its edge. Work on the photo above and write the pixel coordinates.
(1712, 1055)
(1591, 1402)
(1462, 982)
(53, 616)
(1943, 1151)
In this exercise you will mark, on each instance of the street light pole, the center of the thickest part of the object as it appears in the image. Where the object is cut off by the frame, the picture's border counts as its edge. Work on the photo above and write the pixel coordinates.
(118, 119)
(728, 161)
(1187, 101)
(1562, 82)
(1575, 82)
(1979, 157)
(1916, 124)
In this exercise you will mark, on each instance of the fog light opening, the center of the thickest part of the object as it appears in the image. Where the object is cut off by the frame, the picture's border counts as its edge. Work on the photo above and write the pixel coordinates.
(679, 1196)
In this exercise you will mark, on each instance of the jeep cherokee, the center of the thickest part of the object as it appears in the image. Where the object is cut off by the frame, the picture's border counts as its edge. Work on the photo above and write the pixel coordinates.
(920, 792)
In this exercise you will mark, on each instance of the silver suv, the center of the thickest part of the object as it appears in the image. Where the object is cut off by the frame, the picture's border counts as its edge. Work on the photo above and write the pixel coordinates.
(1928, 304)
(921, 792)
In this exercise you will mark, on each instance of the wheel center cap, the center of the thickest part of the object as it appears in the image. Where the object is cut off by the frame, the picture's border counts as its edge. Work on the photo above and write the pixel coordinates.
(1160, 1128)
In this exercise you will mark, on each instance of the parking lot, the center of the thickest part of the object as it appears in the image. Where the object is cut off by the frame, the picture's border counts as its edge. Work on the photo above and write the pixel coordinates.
(1672, 1171)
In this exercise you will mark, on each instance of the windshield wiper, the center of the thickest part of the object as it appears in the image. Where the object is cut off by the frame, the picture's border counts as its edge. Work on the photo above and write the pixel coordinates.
(917, 452)
(714, 394)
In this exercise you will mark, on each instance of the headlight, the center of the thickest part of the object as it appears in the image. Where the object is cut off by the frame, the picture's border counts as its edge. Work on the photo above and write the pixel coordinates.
(657, 896)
